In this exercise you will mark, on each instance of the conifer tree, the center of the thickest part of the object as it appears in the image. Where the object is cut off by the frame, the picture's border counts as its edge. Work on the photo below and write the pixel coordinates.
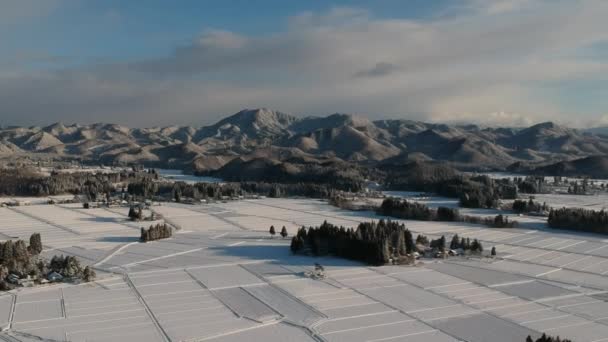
(35, 244)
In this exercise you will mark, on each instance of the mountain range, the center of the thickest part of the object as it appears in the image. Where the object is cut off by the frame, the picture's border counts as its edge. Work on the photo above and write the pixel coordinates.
(275, 136)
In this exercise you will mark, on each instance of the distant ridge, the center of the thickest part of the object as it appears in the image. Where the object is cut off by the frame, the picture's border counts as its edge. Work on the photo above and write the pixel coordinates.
(339, 137)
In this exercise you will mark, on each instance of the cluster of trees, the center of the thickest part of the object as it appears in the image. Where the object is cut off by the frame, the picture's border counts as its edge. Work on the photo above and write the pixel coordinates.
(401, 208)
(579, 219)
(21, 260)
(155, 232)
(422, 240)
(332, 173)
(483, 197)
(531, 184)
(579, 189)
(529, 206)
(404, 209)
(149, 188)
(349, 202)
(135, 214)
(438, 244)
(473, 191)
(375, 243)
(499, 221)
(69, 266)
(546, 338)
(488, 192)
(92, 186)
(273, 232)
(474, 246)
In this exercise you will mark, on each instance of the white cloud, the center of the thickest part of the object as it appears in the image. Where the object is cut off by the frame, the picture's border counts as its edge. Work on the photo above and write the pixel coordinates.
(500, 6)
(475, 66)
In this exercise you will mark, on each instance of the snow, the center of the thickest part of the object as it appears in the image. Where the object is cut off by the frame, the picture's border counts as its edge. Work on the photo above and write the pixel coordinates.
(223, 278)
(179, 176)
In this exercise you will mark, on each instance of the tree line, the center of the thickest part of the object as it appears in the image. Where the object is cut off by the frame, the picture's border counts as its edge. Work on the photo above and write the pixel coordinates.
(408, 210)
(579, 219)
(545, 338)
(529, 206)
(69, 266)
(474, 246)
(147, 188)
(155, 232)
(474, 191)
(375, 243)
(22, 260)
(28, 182)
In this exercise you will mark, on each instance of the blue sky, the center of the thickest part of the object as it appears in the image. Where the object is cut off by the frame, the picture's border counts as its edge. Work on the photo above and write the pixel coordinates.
(158, 26)
(495, 62)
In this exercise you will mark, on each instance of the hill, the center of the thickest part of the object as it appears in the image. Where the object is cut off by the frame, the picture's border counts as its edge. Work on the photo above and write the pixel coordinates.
(278, 136)
(594, 167)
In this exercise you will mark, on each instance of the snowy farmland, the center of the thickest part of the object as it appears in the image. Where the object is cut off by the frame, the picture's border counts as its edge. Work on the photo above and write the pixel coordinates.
(221, 277)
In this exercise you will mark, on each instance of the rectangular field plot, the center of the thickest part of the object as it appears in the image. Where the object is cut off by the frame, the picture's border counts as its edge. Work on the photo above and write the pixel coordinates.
(262, 224)
(6, 303)
(329, 327)
(483, 328)
(593, 311)
(268, 270)
(245, 305)
(354, 311)
(585, 332)
(345, 300)
(429, 279)
(274, 332)
(443, 313)
(299, 212)
(76, 221)
(476, 275)
(185, 310)
(397, 330)
(366, 279)
(91, 313)
(578, 278)
(197, 218)
(292, 309)
(408, 298)
(305, 287)
(534, 290)
(14, 225)
(224, 277)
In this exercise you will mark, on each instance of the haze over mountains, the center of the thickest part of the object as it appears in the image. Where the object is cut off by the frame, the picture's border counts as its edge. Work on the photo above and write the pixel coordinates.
(271, 135)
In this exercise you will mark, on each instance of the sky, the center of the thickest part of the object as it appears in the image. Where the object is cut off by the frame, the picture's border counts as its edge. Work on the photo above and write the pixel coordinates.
(192, 62)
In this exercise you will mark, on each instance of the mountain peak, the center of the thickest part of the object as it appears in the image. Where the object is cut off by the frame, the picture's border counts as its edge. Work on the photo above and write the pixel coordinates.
(259, 115)
(546, 125)
(259, 121)
(547, 128)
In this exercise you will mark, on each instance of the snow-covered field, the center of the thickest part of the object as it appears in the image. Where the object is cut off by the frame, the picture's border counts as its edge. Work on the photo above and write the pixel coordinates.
(178, 175)
(223, 278)
(595, 202)
(499, 175)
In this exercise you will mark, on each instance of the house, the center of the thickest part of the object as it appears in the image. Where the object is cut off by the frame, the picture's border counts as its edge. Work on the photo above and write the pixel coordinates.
(441, 255)
(54, 277)
(454, 252)
(19, 203)
(13, 279)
